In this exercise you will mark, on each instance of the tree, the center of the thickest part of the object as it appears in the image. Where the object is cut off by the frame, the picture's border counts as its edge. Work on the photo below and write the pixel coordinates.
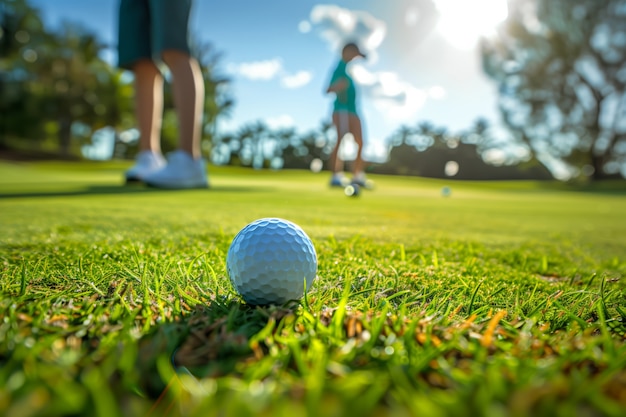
(298, 150)
(55, 82)
(218, 99)
(251, 137)
(21, 27)
(70, 74)
(402, 136)
(560, 67)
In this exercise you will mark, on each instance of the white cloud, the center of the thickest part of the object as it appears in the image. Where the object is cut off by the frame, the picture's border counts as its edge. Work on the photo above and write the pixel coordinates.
(437, 92)
(284, 120)
(304, 26)
(297, 80)
(411, 16)
(258, 70)
(338, 25)
(397, 99)
(270, 69)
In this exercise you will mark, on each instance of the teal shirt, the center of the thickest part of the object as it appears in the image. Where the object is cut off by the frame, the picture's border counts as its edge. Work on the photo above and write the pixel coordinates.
(346, 99)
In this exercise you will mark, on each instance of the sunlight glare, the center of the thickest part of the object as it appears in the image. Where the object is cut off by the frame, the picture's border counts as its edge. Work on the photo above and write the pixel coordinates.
(463, 22)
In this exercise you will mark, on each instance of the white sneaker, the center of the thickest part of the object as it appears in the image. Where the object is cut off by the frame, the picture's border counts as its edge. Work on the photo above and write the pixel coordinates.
(338, 180)
(146, 162)
(181, 171)
(361, 180)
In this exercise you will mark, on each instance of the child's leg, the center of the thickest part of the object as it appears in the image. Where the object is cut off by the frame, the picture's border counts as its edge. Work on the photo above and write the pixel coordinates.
(357, 133)
(342, 125)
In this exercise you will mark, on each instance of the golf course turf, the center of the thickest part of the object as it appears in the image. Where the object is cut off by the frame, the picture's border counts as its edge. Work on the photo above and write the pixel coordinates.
(495, 299)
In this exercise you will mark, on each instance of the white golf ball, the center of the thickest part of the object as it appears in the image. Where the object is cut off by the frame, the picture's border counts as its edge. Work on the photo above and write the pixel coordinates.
(352, 190)
(270, 261)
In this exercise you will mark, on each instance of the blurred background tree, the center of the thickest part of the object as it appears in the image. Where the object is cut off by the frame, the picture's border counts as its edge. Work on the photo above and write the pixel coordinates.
(560, 67)
(20, 29)
(57, 91)
(219, 102)
(55, 85)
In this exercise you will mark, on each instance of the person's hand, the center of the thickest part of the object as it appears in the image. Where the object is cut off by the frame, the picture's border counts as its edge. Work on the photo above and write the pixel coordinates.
(338, 86)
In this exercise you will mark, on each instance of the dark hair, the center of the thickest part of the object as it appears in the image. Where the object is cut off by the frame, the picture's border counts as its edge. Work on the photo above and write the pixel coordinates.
(353, 45)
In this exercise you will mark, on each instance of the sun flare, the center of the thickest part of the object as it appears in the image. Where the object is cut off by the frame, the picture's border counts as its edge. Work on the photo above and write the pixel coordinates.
(463, 22)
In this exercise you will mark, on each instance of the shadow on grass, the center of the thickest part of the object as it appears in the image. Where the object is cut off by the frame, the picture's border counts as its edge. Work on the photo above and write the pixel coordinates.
(123, 189)
(209, 342)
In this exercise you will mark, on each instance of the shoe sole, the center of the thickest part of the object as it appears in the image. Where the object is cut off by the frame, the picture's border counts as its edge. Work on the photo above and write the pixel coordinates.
(365, 185)
(133, 180)
(177, 187)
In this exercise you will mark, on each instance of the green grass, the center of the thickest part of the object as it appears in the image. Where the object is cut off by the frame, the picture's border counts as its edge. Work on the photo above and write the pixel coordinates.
(504, 299)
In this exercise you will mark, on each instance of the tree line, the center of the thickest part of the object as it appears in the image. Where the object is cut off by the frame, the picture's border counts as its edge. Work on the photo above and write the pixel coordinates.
(559, 65)
(423, 149)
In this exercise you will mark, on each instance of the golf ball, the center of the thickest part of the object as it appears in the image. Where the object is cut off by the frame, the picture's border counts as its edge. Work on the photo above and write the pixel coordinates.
(352, 190)
(271, 261)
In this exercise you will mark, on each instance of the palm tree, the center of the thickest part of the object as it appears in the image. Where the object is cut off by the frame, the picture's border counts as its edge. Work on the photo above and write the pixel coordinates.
(401, 136)
(252, 137)
(218, 101)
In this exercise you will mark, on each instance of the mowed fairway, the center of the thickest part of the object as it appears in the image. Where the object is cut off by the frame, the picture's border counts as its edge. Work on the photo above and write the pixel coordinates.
(504, 298)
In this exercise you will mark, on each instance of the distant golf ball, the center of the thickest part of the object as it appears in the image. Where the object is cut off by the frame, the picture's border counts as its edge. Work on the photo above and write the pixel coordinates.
(352, 190)
(316, 165)
(446, 191)
(271, 261)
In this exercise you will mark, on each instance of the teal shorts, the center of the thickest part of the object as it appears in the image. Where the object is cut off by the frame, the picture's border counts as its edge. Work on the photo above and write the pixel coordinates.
(148, 27)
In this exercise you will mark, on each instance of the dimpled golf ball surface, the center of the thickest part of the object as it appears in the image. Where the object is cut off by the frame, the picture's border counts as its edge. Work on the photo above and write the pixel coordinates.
(270, 260)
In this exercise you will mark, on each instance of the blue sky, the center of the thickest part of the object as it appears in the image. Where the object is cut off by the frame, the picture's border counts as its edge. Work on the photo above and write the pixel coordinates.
(423, 62)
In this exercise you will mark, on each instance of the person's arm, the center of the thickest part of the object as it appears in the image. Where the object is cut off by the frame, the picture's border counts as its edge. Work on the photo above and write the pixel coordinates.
(337, 86)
